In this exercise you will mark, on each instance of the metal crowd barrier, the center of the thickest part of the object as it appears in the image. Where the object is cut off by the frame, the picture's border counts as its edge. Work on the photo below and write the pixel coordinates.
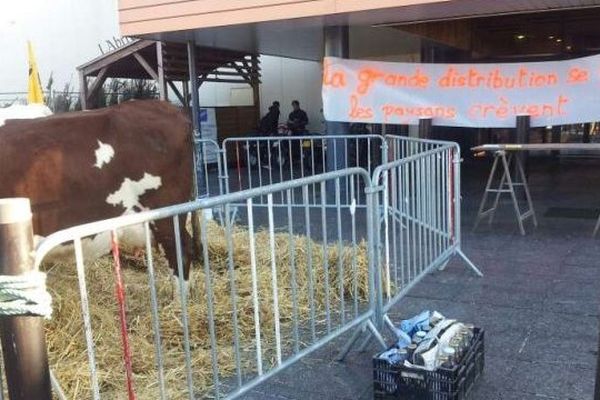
(332, 289)
(261, 161)
(417, 212)
(421, 223)
(207, 159)
(410, 218)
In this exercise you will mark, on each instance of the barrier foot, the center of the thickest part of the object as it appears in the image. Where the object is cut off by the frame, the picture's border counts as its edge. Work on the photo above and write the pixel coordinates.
(348, 346)
(469, 263)
(372, 333)
(365, 342)
(444, 265)
(388, 322)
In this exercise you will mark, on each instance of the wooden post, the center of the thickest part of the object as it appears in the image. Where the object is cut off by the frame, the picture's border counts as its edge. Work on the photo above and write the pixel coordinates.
(23, 340)
(83, 90)
(336, 44)
(425, 125)
(162, 85)
(196, 134)
(255, 89)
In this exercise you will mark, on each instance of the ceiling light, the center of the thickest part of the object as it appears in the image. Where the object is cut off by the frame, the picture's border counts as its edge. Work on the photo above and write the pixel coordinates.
(520, 37)
(551, 37)
(558, 40)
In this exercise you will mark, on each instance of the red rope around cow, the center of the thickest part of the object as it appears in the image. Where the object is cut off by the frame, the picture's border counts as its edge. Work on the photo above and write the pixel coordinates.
(120, 294)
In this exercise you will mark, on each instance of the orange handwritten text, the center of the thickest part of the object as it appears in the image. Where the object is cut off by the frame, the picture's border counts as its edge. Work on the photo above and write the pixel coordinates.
(336, 79)
(578, 75)
(403, 112)
(505, 109)
(496, 79)
(367, 77)
(359, 113)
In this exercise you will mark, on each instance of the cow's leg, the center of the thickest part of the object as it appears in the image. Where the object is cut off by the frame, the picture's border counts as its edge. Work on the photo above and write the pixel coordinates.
(197, 243)
(165, 236)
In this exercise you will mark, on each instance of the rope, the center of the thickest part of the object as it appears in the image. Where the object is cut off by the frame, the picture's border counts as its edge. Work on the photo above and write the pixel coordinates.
(25, 294)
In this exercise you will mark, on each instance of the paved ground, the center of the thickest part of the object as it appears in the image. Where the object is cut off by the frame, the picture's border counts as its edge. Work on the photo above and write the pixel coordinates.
(538, 302)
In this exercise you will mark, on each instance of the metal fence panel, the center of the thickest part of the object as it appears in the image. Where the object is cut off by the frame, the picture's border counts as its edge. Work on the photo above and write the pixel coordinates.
(415, 218)
(207, 162)
(261, 161)
(291, 277)
(265, 307)
(419, 213)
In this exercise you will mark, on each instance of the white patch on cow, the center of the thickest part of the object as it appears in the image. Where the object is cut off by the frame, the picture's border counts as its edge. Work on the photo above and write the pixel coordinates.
(104, 153)
(130, 192)
(20, 111)
(92, 248)
(131, 240)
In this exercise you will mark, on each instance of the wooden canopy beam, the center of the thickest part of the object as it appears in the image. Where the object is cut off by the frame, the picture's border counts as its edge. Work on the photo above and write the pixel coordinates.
(110, 58)
(98, 82)
(146, 66)
(176, 91)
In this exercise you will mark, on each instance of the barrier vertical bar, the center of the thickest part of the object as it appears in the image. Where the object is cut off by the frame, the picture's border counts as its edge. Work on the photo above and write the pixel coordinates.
(386, 229)
(255, 300)
(340, 249)
(248, 165)
(210, 313)
(373, 236)
(311, 279)
(394, 218)
(223, 155)
(23, 339)
(292, 248)
(354, 250)
(274, 286)
(87, 323)
(325, 255)
(400, 209)
(233, 293)
(457, 216)
(155, 316)
(184, 307)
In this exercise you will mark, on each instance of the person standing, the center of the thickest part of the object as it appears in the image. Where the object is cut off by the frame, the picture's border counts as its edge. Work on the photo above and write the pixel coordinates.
(297, 119)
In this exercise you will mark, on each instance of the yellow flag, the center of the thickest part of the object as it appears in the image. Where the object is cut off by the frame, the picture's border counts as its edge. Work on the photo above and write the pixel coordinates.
(34, 90)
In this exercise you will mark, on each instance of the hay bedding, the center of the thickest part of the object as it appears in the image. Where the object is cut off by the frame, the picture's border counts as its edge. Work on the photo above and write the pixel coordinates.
(65, 335)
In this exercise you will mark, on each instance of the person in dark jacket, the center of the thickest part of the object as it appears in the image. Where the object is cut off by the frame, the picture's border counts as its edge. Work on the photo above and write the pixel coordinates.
(297, 119)
(270, 122)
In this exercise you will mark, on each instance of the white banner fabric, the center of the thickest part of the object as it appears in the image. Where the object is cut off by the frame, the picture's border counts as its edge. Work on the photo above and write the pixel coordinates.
(462, 95)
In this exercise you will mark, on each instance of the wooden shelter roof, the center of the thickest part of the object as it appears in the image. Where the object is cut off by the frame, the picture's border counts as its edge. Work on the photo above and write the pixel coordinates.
(140, 60)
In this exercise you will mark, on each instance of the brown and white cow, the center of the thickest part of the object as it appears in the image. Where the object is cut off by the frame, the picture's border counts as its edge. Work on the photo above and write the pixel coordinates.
(86, 166)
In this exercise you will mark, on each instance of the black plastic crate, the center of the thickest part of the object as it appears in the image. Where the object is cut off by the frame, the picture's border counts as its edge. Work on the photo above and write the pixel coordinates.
(397, 382)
